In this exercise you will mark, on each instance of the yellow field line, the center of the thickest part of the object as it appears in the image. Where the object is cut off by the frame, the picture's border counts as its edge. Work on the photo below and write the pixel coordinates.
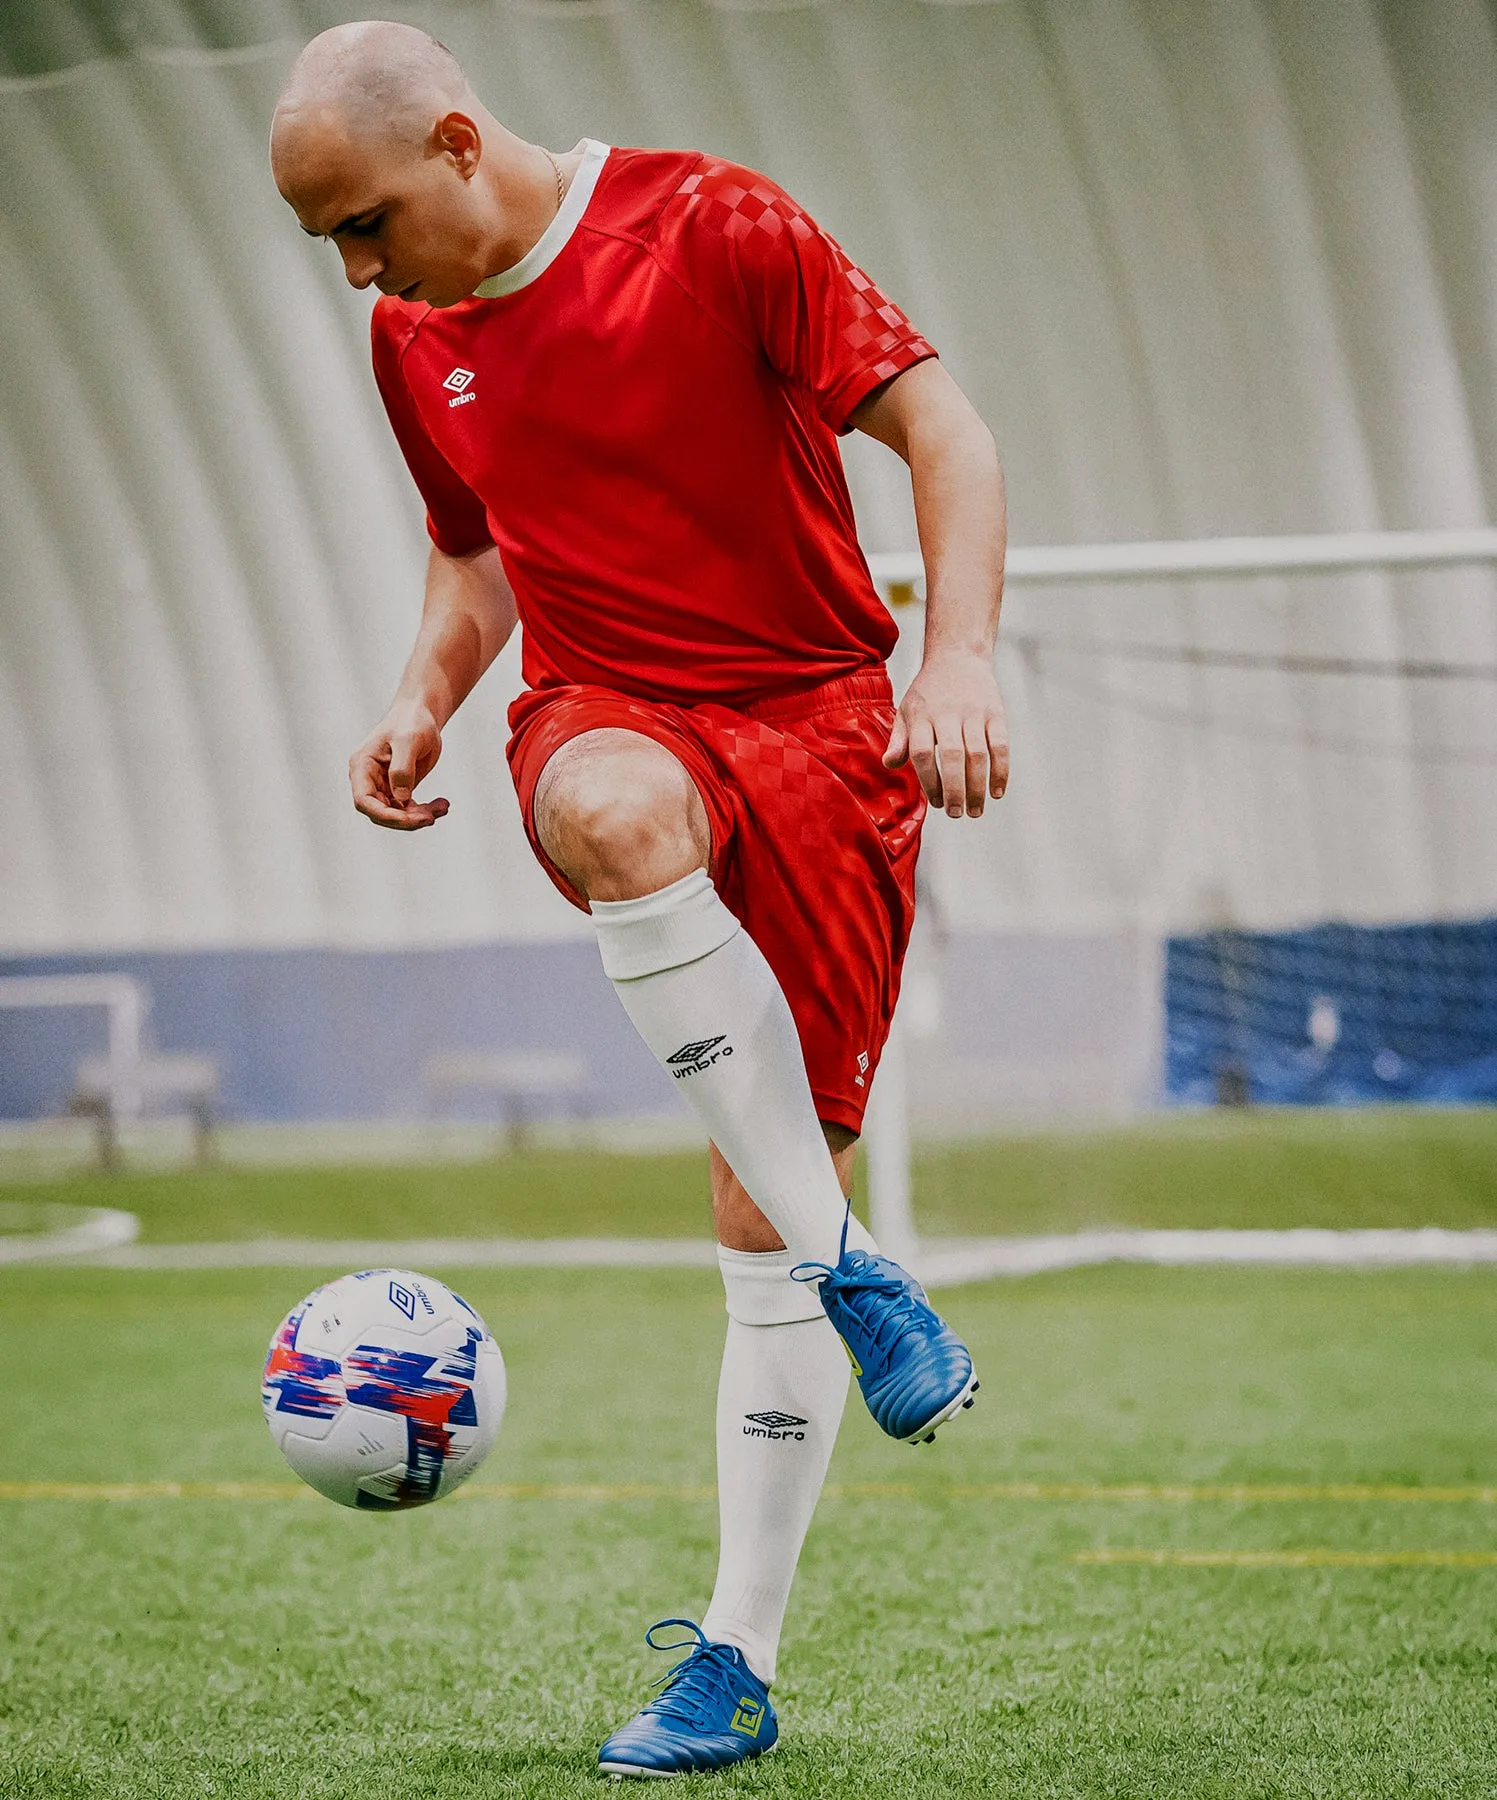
(1171, 1493)
(152, 1490)
(1231, 1492)
(1296, 1559)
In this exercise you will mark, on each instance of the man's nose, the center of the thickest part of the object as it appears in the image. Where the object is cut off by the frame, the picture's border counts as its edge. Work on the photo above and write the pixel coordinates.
(361, 266)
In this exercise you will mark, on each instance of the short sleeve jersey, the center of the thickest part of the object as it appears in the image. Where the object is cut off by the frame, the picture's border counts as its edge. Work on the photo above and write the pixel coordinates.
(643, 416)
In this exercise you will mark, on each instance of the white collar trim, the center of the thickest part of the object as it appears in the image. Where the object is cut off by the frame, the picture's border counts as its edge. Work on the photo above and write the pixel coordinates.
(554, 239)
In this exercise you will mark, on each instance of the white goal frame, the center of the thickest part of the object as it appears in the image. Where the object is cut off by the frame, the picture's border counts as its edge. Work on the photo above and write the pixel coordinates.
(898, 575)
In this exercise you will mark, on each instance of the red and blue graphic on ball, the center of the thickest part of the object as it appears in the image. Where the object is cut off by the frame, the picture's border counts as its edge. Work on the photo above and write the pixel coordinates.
(433, 1392)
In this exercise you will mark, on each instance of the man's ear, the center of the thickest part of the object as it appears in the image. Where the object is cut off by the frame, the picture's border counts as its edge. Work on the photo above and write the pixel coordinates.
(455, 135)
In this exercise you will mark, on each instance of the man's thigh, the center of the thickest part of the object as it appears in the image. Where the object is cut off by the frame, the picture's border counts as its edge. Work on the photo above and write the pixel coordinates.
(555, 730)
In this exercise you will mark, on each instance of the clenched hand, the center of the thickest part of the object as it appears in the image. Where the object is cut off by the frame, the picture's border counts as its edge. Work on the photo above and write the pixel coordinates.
(390, 764)
(952, 728)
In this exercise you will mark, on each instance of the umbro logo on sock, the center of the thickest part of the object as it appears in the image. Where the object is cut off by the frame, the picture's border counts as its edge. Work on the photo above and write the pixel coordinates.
(773, 1425)
(693, 1058)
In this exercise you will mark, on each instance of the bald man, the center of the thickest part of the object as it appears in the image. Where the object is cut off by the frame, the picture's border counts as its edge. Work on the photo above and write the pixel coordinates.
(618, 378)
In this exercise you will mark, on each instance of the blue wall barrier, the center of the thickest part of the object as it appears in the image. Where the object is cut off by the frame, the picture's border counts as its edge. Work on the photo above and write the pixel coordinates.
(328, 1034)
(1339, 1014)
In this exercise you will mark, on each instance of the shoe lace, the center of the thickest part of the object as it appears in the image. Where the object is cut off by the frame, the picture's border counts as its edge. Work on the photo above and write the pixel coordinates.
(863, 1282)
(692, 1690)
(813, 1269)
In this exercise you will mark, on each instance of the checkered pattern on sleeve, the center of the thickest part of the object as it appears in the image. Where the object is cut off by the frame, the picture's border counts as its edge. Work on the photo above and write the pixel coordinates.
(852, 336)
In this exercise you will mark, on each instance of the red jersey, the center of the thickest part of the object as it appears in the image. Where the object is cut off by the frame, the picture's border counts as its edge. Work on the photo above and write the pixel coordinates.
(642, 414)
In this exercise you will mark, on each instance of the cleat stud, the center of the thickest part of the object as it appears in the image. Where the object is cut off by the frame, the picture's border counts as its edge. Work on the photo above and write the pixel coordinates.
(968, 1404)
(975, 1386)
(929, 1438)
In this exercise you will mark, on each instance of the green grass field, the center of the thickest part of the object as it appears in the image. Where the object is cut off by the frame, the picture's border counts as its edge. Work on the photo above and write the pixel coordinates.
(1368, 1167)
(949, 1635)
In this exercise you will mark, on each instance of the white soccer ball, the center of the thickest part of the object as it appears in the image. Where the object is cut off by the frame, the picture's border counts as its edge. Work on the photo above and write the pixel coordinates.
(383, 1390)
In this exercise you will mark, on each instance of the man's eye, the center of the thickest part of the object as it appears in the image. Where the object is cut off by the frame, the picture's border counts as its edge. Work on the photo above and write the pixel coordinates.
(367, 227)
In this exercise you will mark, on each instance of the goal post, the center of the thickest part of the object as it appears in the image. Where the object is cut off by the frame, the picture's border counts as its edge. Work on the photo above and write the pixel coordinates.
(900, 575)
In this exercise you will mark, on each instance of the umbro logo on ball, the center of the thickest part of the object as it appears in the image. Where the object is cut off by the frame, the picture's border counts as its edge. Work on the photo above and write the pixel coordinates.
(692, 1059)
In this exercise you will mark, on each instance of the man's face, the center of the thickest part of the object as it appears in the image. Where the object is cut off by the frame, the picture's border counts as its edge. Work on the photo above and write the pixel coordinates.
(404, 217)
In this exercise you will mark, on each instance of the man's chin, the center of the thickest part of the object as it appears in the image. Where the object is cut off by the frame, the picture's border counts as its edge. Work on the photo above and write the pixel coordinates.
(434, 291)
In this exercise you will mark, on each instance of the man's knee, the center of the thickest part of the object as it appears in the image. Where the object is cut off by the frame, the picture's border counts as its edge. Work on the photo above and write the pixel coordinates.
(620, 816)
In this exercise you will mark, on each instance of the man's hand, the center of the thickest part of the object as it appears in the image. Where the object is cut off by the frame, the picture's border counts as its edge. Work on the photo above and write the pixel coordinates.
(388, 766)
(951, 726)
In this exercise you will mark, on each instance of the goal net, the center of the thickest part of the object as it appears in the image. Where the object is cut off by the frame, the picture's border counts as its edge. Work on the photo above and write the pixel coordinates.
(1336, 1014)
(1247, 856)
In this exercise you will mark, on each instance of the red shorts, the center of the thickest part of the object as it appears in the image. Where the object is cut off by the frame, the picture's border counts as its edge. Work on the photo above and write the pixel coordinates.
(814, 844)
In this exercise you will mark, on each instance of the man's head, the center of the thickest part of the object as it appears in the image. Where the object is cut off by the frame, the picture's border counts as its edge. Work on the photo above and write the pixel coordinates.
(378, 142)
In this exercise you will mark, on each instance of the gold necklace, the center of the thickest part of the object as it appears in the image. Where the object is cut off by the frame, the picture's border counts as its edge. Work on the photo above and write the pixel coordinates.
(561, 186)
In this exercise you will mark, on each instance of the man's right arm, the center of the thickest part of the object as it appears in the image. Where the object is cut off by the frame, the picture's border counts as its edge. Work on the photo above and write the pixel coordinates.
(466, 621)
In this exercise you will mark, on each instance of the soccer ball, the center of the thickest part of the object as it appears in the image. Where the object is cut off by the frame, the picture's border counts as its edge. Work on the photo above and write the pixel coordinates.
(383, 1390)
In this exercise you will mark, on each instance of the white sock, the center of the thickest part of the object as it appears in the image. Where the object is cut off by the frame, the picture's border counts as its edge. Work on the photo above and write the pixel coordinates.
(779, 1402)
(706, 1002)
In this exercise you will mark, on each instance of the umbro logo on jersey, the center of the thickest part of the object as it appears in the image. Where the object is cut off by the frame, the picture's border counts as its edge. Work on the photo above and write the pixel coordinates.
(458, 381)
(694, 1058)
(774, 1425)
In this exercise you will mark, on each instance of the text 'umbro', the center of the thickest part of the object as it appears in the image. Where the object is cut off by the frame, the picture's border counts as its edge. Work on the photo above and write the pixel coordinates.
(696, 1058)
(774, 1425)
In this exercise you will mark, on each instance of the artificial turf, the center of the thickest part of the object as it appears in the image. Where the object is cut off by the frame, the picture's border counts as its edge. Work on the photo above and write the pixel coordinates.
(1378, 1166)
(940, 1642)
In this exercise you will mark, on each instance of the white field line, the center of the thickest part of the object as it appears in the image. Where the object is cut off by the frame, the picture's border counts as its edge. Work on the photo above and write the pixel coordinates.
(31, 1233)
(980, 1259)
(416, 1253)
(1293, 1559)
(940, 1264)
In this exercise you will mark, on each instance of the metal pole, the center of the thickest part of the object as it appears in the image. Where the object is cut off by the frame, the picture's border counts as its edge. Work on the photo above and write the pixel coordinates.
(126, 1003)
(1194, 559)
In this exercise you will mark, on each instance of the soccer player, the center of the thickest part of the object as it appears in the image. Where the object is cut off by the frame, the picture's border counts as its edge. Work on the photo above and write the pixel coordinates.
(618, 378)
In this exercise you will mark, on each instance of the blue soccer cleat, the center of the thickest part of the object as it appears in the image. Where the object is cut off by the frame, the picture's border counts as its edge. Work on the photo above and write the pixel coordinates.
(712, 1711)
(915, 1373)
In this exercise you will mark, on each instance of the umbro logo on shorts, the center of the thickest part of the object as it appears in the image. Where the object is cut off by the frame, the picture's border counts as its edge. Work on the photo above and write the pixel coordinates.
(457, 383)
(692, 1059)
(773, 1425)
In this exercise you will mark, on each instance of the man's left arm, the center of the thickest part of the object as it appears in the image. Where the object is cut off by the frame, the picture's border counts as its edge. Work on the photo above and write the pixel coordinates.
(950, 724)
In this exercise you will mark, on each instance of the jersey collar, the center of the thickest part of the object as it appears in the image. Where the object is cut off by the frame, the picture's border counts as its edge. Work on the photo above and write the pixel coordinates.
(554, 239)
